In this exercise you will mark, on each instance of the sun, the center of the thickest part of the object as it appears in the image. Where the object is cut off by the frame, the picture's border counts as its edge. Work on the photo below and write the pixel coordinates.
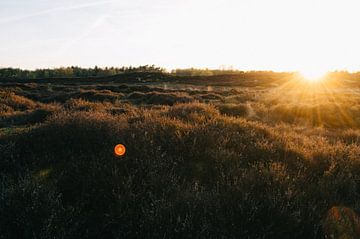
(312, 74)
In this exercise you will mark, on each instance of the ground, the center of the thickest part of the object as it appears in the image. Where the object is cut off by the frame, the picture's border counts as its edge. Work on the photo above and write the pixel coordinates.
(207, 157)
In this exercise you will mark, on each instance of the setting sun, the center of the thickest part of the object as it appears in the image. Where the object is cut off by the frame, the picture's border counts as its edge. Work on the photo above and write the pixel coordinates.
(312, 74)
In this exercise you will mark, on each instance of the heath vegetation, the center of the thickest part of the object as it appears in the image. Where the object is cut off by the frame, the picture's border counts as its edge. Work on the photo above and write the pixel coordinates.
(263, 159)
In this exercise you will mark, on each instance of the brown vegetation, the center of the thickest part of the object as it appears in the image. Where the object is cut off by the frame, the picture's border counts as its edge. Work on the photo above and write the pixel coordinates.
(228, 163)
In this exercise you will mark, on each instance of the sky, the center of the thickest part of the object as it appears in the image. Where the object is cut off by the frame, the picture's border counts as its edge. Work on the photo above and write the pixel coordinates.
(280, 35)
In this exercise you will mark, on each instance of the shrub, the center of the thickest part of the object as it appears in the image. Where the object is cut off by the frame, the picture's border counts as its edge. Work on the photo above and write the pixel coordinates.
(9, 101)
(157, 98)
(99, 95)
(196, 112)
(240, 98)
(210, 96)
(30, 209)
(26, 118)
(84, 105)
(191, 170)
(240, 110)
(5, 109)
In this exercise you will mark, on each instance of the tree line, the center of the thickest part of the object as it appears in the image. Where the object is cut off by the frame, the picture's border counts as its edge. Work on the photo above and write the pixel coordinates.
(75, 71)
(79, 72)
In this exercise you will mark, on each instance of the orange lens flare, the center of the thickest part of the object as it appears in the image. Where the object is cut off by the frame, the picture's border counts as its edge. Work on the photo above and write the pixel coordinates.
(119, 150)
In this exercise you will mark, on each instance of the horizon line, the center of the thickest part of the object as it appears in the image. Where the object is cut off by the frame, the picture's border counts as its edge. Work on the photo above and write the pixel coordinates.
(170, 69)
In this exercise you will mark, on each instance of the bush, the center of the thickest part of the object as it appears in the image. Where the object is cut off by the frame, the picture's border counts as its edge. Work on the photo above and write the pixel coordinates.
(26, 118)
(240, 171)
(84, 105)
(10, 101)
(210, 96)
(99, 95)
(191, 170)
(157, 98)
(196, 112)
(240, 110)
(30, 209)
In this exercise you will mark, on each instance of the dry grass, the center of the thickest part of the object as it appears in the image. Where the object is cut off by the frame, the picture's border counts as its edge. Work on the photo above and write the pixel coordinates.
(159, 98)
(10, 102)
(246, 164)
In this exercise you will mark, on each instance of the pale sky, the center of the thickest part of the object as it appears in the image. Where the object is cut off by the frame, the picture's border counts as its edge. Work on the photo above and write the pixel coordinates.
(281, 35)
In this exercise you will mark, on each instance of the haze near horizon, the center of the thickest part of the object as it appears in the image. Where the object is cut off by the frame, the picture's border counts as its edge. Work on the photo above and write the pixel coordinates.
(307, 36)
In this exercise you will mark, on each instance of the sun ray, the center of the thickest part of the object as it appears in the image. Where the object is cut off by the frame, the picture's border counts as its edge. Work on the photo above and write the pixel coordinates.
(319, 103)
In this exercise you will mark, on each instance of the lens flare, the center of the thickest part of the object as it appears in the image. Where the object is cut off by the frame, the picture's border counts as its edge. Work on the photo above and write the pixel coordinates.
(119, 150)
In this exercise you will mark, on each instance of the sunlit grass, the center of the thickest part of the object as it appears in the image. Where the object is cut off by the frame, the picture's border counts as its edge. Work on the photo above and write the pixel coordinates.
(279, 155)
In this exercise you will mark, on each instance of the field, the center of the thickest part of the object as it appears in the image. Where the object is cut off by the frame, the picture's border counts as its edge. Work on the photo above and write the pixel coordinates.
(224, 156)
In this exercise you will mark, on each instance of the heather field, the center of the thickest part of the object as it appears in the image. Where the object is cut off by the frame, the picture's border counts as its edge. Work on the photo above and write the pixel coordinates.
(243, 155)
